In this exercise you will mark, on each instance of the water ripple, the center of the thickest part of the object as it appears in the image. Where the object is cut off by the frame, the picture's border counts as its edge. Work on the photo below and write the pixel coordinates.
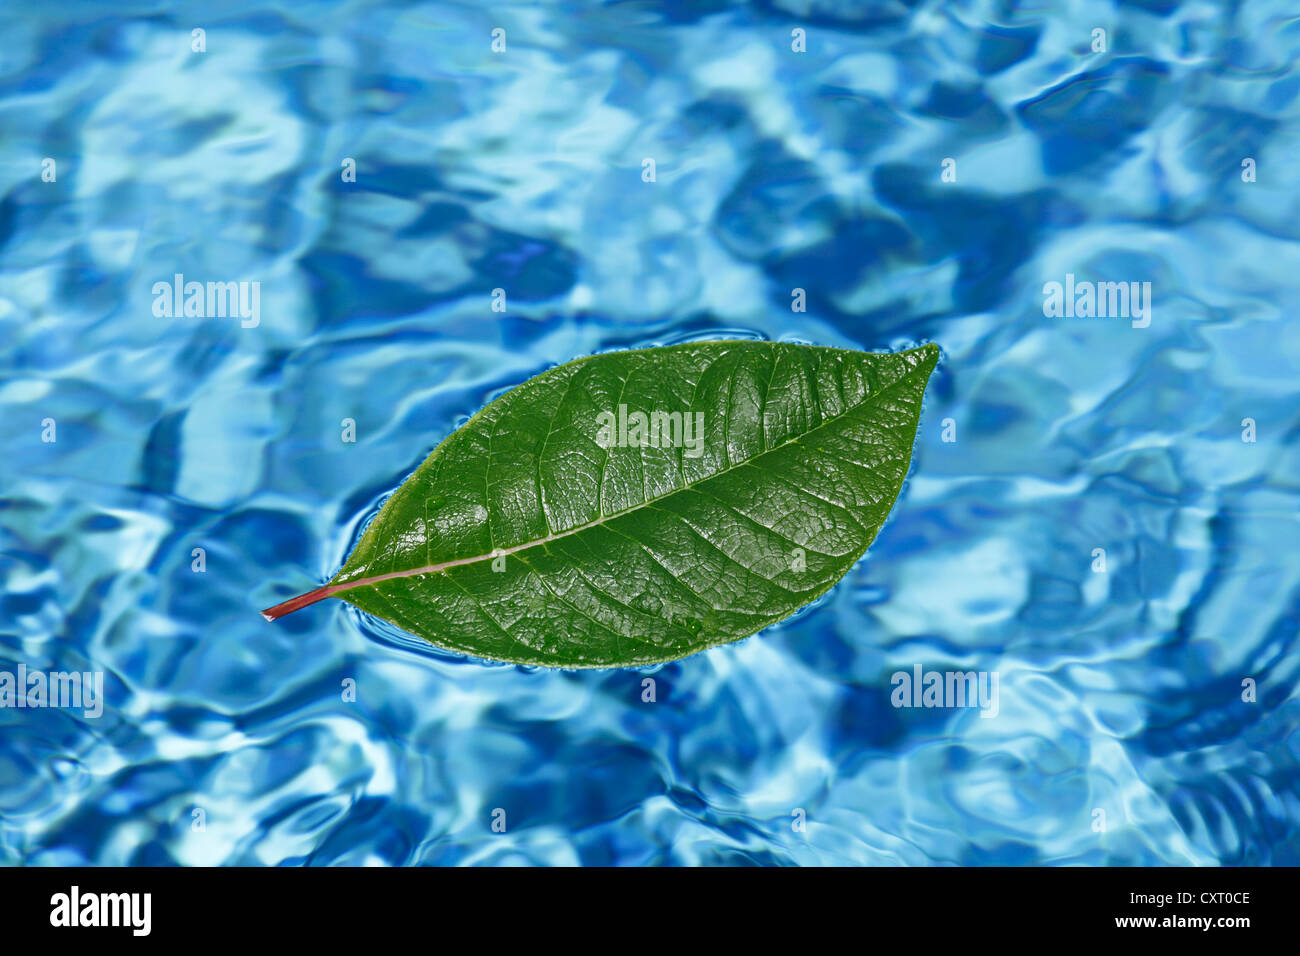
(1147, 711)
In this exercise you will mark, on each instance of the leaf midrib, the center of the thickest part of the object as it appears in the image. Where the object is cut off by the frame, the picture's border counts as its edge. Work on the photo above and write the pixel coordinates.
(603, 519)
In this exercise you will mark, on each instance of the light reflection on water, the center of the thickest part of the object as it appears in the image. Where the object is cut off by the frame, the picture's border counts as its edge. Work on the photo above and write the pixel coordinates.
(1119, 691)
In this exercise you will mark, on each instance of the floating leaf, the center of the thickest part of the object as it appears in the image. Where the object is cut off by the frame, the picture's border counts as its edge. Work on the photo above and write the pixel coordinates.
(636, 507)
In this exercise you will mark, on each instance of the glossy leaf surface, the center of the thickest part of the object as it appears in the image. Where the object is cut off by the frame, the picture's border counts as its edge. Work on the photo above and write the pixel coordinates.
(549, 530)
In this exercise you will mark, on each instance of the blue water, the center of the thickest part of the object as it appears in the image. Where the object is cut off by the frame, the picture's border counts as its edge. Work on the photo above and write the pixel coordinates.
(1121, 736)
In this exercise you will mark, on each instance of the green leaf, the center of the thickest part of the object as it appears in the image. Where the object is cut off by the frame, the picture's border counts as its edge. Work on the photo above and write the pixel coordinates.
(538, 533)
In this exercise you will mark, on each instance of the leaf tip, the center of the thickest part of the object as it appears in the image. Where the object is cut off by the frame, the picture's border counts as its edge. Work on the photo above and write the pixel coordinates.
(928, 355)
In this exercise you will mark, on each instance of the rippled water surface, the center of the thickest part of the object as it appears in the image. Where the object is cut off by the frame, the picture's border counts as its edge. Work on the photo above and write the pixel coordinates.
(1121, 734)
